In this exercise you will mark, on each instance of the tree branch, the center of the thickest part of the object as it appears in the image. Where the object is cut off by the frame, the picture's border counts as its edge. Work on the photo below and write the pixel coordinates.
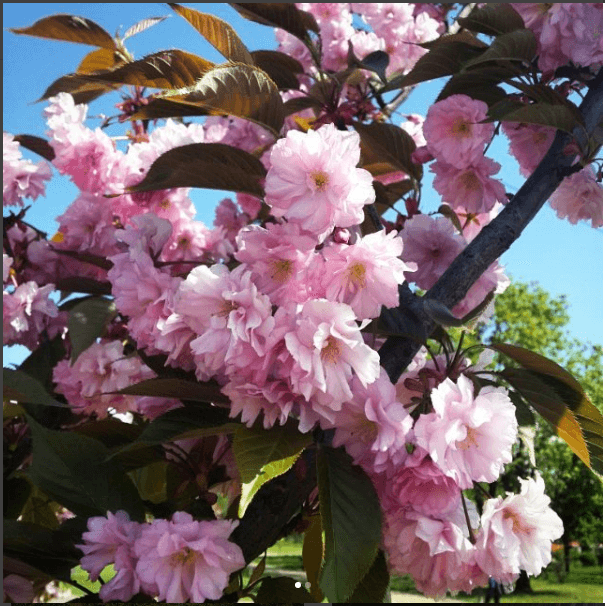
(493, 240)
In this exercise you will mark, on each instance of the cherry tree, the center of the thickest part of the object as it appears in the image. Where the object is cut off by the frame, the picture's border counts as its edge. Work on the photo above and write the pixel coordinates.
(194, 394)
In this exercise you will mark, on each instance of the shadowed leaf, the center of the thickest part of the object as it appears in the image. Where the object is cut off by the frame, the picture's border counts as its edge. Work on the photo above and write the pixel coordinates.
(81, 88)
(19, 386)
(374, 585)
(388, 195)
(351, 520)
(278, 14)
(177, 388)
(493, 19)
(72, 470)
(299, 104)
(69, 28)
(142, 25)
(518, 45)
(560, 399)
(207, 165)
(83, 285)
(219, 33)
(281, 68)
(387, 144)
(557, 116)
(281, 590)
(312, 555)
(87, 321)
(481, 85)
(441, 60)
(167, 69)
(38, 145)
(460, 36)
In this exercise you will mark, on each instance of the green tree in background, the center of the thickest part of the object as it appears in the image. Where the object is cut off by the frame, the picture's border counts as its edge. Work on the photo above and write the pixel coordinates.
(528, 316)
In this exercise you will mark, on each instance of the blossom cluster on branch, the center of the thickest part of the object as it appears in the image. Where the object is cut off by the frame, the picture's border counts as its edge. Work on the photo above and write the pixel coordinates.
(279, 304)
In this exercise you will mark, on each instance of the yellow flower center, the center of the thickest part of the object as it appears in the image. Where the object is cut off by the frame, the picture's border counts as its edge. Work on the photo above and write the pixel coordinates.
(518, 526)
(470, 181)
(461, 129)
(282, 270)
(165, 203)
(330, 352)
(226, 308)
(183, 557)
(357, 275)
(470, 441)
(320, 180)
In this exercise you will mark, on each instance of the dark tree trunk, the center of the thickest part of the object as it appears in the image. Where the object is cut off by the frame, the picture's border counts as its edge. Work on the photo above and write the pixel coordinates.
(567, 553)
(523, 585)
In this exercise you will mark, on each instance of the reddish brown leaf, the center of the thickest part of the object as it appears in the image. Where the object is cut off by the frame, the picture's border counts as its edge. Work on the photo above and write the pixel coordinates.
(81, 88)
(281, 68)
(38, 145)
(278, 14)
(98, 60)
(219, 33)
(69, 28)
(493, 19)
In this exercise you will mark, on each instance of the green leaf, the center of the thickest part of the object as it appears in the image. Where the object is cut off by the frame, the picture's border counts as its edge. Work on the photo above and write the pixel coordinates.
(167, 69)
(41, 363)
(112, 432)
(219, 33)
(68, 28)
(87, 322)
(518, 45)
(38, 145)
(19, 386)
(557, 116)
(389, 144)
(523, 413)
(160, 387)
(40, 510)
(258, 571)
(374, 585)
(49, 551)
(71, 469)
(278, 14)
(351, 520)
(151, 481)
(177, 424)
(493, 20)
(208, 165)
(312, 555)
(281, 590)
(16, 494)
(255, 447)
(441, 60)
(267, 472)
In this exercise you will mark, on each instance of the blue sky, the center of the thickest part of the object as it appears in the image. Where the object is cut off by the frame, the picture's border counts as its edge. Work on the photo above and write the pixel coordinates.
(563, 258)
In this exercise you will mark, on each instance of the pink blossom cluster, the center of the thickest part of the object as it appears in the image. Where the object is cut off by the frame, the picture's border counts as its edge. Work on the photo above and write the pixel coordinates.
(456, 138)
(566, 32)
(20, 178)
(176, 560)
(431, 532)
(88, 384)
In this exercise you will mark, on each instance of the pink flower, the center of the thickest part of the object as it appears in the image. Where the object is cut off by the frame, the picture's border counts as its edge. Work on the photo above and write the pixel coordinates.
(373, 425)
(99, 370)
(453, 131)
(469, 438)
(579, 197)
(26, 312)
(21, 178)
(327, 347)
(517, 532)
(278, 257)
(432, 244)
(111, 540)
(313, 180)
(186, 560)
(419, 483)
(470, 188)
(6, 267)
(436, 553)
(365, 275)
(528, 144)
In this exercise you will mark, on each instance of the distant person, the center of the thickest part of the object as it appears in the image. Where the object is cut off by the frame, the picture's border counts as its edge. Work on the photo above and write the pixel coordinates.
(494, 591)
